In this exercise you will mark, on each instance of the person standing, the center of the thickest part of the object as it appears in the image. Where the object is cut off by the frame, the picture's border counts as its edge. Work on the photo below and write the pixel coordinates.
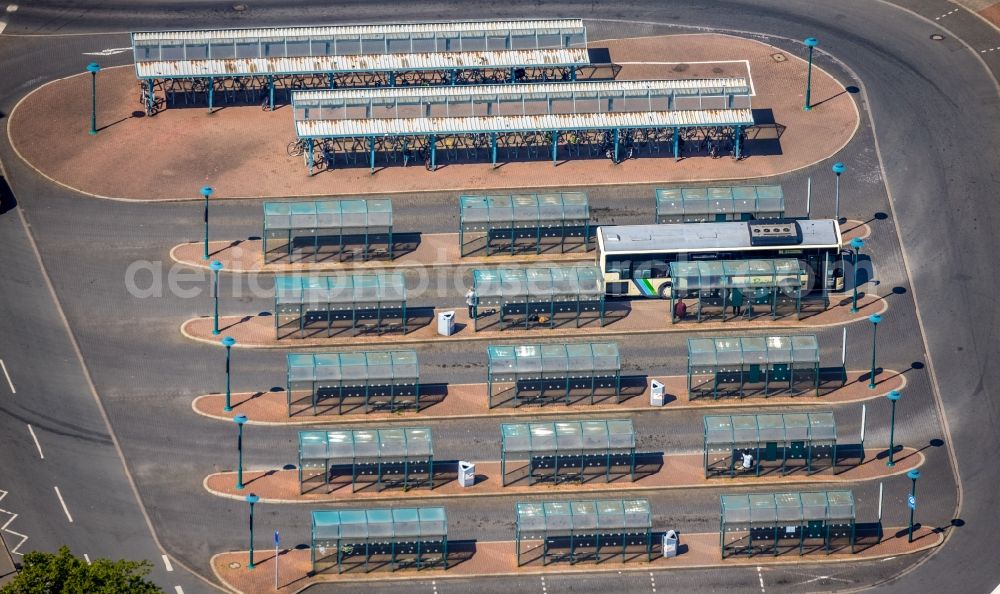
(472, 301)
(736, 300)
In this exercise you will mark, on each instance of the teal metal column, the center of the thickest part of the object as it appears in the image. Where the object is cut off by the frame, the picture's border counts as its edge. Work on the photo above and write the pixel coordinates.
(810, 42)
(371, 153)
(572, 73)
(270, 90)
(874, 319)
(310, 156)
(93, 68)
(893, 397)
(150, 97)
(617, 142)
(913, 475)
(677, 144)
(737, 135)
(251, 499)
(555, 145)
(433, 152)
(493, 147)
(211, 93)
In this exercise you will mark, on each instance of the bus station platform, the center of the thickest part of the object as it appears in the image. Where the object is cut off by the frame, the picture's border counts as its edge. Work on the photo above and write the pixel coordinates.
(641, 316)
(242, 151)
(653, 472)
(470, 401)
(499, 559)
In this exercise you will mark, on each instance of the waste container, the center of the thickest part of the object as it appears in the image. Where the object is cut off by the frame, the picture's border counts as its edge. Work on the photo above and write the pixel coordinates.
(466, 474)
(446, 323)
(670, 541)
(656, 393)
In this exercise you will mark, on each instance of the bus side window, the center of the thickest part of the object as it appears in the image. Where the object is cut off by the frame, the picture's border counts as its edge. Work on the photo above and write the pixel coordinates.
(622, 267)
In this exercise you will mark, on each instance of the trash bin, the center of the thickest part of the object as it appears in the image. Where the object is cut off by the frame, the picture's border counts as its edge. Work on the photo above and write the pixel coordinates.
(446, 323)
(656, 393)
(466, 474)
(670, 541)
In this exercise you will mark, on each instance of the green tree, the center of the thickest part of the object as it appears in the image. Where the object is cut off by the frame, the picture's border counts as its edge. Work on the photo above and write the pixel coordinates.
(62, 573)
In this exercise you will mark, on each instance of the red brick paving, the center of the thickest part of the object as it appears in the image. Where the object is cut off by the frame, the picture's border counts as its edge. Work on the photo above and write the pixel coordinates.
(241, 151)
(470, 401)
(498, 559)
(679, 471)
(644, 317)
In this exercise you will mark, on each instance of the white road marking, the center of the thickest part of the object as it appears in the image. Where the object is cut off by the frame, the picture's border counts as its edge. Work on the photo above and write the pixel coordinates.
(37, 445)
(13, 550)
(652, 581)
(753, 93)
(996, 590)
(86, 558)
(946, 14)
(12, 8)
(825, 577)
(4, 366)
(760, 577)
(3, 26)
(179, 590)
(166, 562)
(109, 52)
(992, 49)
(61, 501)
(891, 558)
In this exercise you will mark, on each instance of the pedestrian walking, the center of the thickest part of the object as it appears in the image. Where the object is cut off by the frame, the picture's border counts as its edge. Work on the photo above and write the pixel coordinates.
(471, 300)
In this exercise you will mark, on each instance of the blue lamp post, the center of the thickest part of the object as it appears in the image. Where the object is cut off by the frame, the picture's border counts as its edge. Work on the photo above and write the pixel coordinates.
(874, 319)
(228, 342)
(810, 42)
(240, 420)
(206, 192)
(856, 244)
(216, 266)
(252, 499)
(93, 68)
(893, 398)
(838, 168)
(913, 475)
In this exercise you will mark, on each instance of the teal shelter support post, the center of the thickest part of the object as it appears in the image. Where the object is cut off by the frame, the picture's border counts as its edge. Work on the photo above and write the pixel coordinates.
(150, 97)
(371, 153)
(311, 157)
(211, 93)
(677, 144)
(270, 90)
(493, 147)
(737, 142)
(617, 134)
(555, 145)
(433, 152)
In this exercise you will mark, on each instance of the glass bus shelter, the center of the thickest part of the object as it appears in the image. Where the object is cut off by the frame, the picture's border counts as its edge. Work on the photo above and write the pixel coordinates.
(538, 297)
(325, 229)
(399, 457)
(375, 380)
(307, 305)
(524, 223)
(749, 365)
(781, 442)
(369, 539)
(718, 204)
(560, 451)
(543, 373)
(780, 523)
(577, 531)
(752, 286)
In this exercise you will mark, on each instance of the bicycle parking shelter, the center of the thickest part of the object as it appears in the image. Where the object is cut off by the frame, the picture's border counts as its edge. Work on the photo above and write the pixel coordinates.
(607, 118)
(524, 223)
(782, 442)
(560, 451)
(545, 373)
(718, 204)
(778, 523)
(362, 538)
(369, 302)
(386, 458)
(378, 379)
(577, 531)
(746, 365)
(539, 296)
(327, 228)
(265, 64)
(771, 286)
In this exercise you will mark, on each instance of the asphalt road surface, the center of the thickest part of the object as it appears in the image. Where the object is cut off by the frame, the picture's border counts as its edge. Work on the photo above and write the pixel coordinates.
(99, 375)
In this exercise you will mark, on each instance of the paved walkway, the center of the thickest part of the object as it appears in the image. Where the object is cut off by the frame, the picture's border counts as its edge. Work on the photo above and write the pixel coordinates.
(431, 250)
(675, 471)
(470, 401)
(495, 559)
(241, 151)
(641, 316)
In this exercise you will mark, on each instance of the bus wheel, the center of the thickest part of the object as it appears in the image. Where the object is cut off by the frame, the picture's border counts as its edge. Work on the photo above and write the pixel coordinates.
(664, 291)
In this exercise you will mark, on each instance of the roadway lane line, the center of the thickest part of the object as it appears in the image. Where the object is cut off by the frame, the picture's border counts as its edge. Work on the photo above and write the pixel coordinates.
(179, 590)
(2, 365)
(37, 445)
(65, 509)
(166, 561)
(760, 577)
(86, 558)
(3, 26)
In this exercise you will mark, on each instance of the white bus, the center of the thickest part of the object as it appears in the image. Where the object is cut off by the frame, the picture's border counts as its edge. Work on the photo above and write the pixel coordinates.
(635, 259)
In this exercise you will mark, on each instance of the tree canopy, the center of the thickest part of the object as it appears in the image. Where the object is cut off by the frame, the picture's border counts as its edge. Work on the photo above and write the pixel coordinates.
(62, 573)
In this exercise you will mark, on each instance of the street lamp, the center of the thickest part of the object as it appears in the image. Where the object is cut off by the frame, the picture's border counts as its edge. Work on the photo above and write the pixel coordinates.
(216, 266)
(810, 42)
(838, 168)
(856, 244)
(913, 475)
(206, 192)
(893, 397)
(228, 342)
(874, 319)
(240, 420)
(251, 499)
(93, 68)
